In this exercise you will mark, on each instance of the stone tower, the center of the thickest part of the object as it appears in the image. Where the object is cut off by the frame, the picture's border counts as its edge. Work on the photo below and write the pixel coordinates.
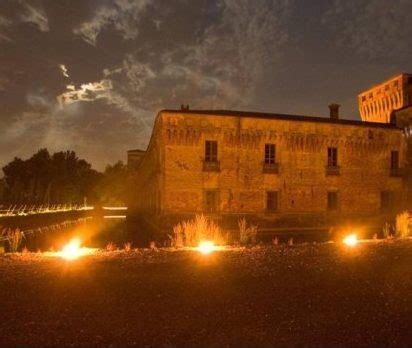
(377, 103)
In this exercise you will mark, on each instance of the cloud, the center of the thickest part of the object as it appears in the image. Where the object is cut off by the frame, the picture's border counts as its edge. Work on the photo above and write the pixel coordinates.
(221, 68)
(122, 15)
(86, 92)
(64, 70)
(375, 29)
(36, 16)
(4, 24)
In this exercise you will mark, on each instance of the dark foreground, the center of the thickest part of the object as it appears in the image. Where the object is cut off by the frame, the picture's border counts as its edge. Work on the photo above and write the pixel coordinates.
(318, 294)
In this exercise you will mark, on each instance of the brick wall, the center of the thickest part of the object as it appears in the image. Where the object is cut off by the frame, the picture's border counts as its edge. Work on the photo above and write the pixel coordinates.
(172, 182)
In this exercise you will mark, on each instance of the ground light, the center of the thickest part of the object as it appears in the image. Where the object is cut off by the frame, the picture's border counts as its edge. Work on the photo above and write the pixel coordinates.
(206, 247)
(351, 240)
(73, 250)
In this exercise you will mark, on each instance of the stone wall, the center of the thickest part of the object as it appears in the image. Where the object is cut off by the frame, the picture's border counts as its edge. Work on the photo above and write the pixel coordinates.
(301, 152)
(146, 184)
(171, 182)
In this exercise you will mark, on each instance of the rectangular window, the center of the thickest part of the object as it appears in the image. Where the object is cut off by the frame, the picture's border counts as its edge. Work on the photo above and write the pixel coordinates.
(270, 154)
(386, 200)
(210, 201)
(332, 157)
(211, 151)
(395, 160)
(272, 201)
(332, 200)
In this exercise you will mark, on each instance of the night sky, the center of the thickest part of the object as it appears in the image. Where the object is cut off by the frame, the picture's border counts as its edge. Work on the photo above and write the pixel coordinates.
(286, 56)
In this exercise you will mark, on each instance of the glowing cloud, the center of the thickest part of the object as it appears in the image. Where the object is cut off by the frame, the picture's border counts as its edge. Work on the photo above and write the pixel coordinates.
(87, 92)
(64, 70)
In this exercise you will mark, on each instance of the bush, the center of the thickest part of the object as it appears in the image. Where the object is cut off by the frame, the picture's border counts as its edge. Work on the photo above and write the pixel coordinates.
(111, 246)
(13, 238)
(192, 232)
(247, 234)
(387, 230)
(402, 225)
(177, 239)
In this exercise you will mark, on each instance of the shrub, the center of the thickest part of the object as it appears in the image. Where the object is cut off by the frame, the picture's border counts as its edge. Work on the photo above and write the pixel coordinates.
(387, 230)
(127, 246)
(192, 232)
(177, 239)
(402, 225)
(247, 234)
(111, 247)
(13, 238)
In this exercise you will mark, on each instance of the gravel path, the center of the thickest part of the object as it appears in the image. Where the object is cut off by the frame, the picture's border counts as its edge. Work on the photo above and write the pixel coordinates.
(309, 294)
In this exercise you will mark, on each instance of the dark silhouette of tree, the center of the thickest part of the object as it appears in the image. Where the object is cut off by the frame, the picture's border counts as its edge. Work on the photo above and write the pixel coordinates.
(44, 179)
(113, 188)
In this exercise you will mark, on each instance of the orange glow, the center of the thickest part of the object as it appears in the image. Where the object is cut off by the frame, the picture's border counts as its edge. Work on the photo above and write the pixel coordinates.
(73, 250)
(351, 240)
(206, 247)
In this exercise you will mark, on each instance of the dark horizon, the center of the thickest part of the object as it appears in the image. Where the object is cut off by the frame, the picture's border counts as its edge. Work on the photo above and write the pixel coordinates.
(275, 56)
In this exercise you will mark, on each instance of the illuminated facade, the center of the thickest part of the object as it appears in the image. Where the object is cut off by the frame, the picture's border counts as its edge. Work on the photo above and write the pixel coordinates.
(279, 170)
(377, 103)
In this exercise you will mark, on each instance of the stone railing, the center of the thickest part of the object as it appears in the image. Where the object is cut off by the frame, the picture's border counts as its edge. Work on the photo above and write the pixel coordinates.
(211, 166)
(271, 168)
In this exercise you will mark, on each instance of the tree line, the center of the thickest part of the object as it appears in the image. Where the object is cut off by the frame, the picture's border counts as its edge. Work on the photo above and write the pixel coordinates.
(62, 178)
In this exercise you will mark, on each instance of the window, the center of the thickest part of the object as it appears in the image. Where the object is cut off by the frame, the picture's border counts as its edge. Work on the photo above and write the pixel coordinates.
(272, 201)
(394, 159)
(386, 200)
(210, 201)
(211, 151)
(270, 154)
(364, 98)
(332, 200)
(332, 157)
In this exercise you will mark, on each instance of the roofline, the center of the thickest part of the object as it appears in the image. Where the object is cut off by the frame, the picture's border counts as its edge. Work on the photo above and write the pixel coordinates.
(383, 82)
(402, 108)
(286, 117)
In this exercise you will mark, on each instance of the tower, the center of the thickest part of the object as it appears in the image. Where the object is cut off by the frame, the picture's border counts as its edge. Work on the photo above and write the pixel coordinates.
(377, 103)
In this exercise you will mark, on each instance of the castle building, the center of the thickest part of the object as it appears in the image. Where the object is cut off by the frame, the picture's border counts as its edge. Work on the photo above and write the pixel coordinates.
(276, 169)
(377, 103)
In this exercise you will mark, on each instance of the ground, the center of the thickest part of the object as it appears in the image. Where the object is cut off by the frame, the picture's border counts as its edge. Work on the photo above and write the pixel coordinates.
(262, 296)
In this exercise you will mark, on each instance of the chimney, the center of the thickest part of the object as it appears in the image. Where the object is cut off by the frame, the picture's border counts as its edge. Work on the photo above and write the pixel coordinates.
(334, 111)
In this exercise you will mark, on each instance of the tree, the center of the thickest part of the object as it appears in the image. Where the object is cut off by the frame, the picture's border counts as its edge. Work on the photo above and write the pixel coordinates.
(44, 179)
(112, 188)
